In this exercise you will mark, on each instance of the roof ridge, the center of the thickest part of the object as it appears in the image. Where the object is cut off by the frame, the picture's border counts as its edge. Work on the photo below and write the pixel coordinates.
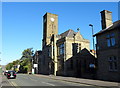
(111, 27)
(63, 32)
(116, 22)
(66, 31)
(69, 31)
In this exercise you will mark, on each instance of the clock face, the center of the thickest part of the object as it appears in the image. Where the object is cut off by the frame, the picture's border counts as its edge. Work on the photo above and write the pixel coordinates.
(52, 19)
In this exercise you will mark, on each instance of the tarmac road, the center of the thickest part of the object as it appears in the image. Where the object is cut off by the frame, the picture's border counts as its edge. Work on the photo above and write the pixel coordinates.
(24, 80)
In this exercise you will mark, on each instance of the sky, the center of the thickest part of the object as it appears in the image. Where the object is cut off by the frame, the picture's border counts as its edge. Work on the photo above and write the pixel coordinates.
(22, 23)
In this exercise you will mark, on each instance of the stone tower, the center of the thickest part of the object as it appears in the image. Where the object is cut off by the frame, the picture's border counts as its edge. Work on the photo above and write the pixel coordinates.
(50, 27)
(106, 18)
(49, 49)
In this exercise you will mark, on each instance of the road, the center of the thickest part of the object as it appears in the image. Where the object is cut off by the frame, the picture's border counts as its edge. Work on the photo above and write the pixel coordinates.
(35, 81)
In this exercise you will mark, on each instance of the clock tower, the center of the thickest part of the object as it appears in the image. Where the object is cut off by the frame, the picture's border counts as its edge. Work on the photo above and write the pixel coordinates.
(50, 27)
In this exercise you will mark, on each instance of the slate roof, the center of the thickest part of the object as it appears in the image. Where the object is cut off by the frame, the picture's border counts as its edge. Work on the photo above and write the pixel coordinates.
(68, 33)
(112, 27)
(84, 53)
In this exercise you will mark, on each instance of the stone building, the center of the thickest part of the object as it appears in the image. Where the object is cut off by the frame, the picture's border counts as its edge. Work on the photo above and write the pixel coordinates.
(36, 63)
(82, 65)
(49, 48)
(57, 49)
(108, 48)
(68, 45)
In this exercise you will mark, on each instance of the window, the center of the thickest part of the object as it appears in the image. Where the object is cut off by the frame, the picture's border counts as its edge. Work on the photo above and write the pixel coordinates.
(79, 47)
(110, 40)
(61, 49)
(49, 54)
(75, 48)
(112, 63)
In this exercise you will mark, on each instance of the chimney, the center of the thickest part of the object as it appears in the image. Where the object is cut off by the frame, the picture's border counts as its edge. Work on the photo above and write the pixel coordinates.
(106, 17)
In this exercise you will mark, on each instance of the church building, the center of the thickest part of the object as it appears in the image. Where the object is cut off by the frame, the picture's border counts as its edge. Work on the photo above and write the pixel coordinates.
(57, 49)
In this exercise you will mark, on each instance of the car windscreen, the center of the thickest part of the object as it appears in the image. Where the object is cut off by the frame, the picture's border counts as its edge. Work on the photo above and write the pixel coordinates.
(11, 72)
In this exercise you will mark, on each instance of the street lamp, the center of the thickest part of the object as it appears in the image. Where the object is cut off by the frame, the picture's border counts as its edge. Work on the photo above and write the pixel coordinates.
(92, 37)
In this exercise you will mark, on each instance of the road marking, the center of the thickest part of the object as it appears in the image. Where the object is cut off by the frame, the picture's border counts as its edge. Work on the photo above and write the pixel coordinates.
(29, 78)
(32, 79)
(67, 81)
(10, 83)
(24, 77)
(48, 83)
(13, 84)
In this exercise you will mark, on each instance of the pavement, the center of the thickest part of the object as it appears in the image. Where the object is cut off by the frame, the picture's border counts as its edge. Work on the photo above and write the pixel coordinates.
(83, 81)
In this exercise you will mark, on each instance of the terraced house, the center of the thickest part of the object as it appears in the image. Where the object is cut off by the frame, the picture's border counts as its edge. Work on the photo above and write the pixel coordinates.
(108, 48)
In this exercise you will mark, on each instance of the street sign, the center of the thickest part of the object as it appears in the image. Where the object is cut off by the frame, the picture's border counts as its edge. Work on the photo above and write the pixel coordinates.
(35, 65)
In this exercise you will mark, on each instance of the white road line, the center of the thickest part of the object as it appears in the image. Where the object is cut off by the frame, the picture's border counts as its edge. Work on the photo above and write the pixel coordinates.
(10, 83)
(13, 84)
(32, 79)
(24, 77)
(48, 83)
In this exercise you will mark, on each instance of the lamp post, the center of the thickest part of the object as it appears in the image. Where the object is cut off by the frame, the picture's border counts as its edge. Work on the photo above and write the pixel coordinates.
(92, 37)
(94, 64)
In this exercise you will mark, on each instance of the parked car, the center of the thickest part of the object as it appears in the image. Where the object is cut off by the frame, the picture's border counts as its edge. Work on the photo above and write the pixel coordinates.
(5, 72)
(11, 74)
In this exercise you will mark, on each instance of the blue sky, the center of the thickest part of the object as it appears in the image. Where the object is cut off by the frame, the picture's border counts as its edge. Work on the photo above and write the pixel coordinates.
(22, 26)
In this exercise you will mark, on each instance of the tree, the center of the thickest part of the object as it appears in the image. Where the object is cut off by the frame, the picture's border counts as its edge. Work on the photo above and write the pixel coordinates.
(27, 59)
(12, 65)
(9, 66)
(28, 53)
(16, 62)
(25, 62)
